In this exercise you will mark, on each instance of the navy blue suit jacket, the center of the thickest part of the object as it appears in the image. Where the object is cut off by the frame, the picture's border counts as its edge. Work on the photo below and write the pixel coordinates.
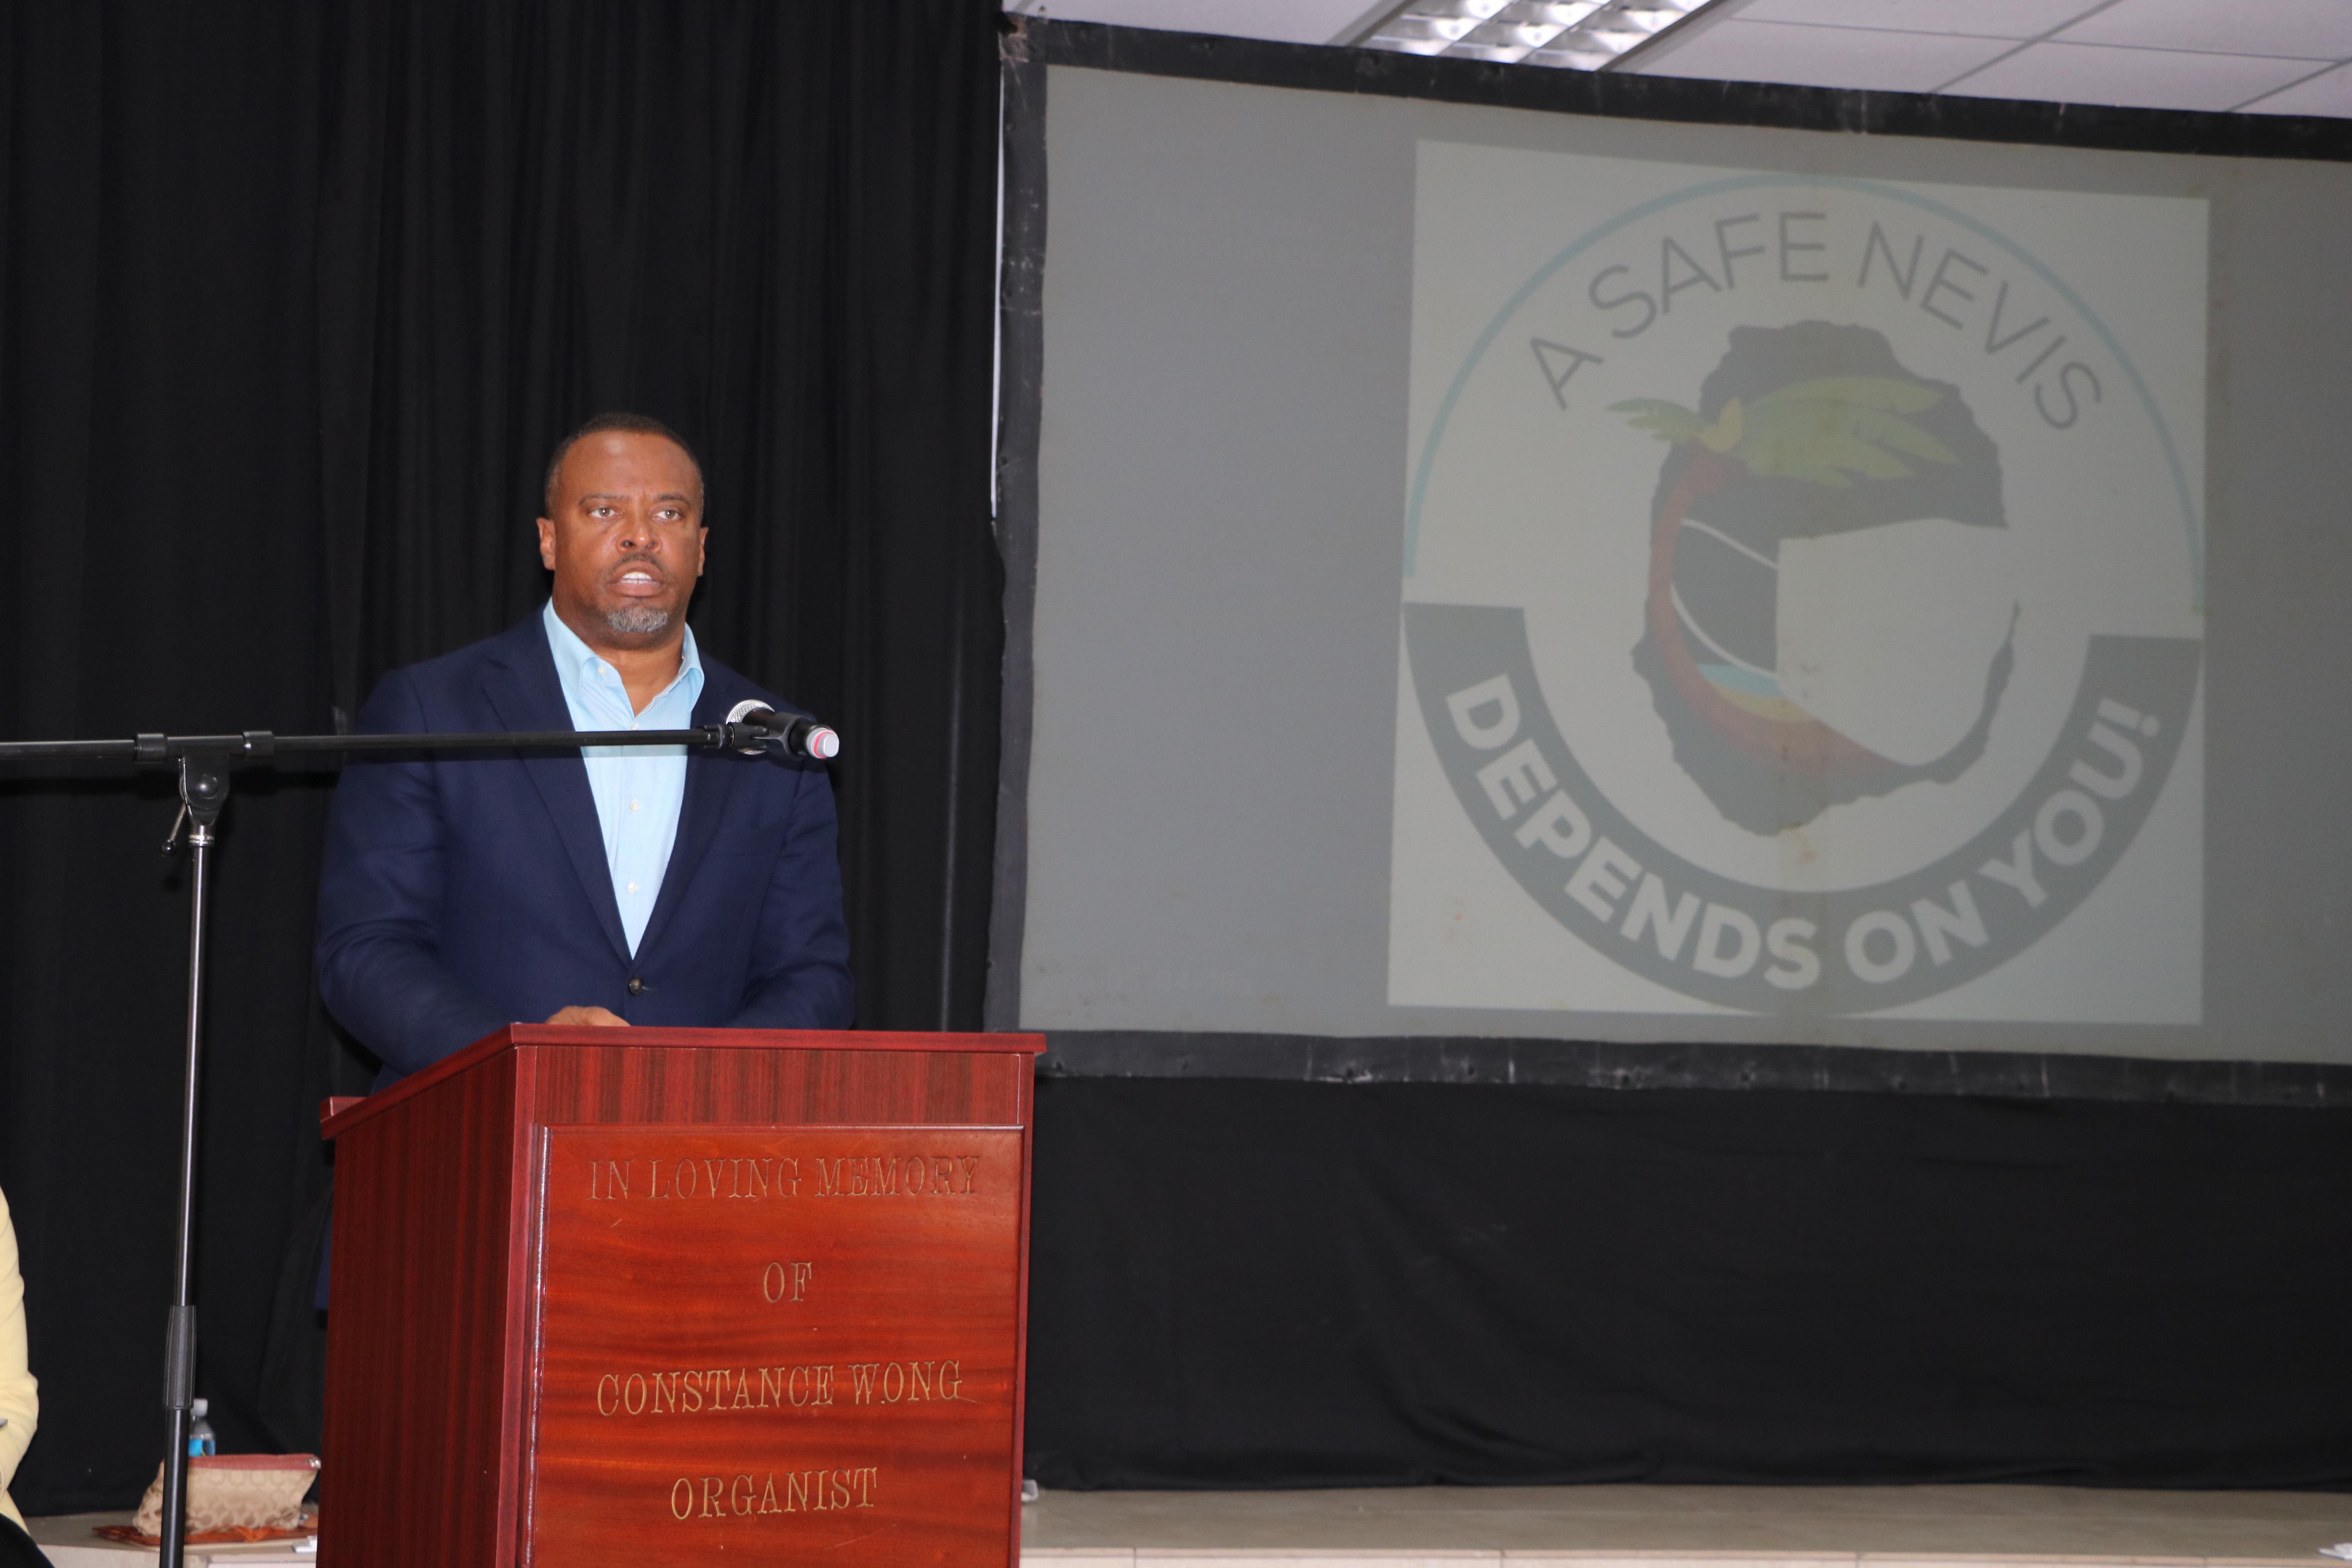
(461, 893)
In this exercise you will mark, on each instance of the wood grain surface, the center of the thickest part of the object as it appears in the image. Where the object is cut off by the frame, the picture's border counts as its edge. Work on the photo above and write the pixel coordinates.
(778, 1343)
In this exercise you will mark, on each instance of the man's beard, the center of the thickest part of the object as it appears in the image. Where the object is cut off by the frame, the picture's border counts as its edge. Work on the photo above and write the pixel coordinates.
(637, 620)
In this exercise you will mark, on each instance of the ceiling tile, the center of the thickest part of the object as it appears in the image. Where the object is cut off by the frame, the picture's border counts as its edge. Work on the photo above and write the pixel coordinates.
(1977, 18)
(2329, 94)
(2309, 29)
(1739, 49)
(1284, 21)
(2144, 78)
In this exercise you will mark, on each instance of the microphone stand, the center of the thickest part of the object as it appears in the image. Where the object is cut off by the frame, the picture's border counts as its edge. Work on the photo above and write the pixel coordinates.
(203, 763)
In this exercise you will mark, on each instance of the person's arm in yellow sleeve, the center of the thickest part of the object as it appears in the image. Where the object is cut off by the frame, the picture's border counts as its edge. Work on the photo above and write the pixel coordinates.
(19, 1397)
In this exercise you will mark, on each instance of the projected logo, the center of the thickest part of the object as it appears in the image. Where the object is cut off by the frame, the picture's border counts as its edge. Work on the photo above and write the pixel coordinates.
(1802, 609)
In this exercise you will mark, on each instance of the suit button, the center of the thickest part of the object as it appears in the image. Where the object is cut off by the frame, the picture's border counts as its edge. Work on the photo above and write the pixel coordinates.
(637, 986)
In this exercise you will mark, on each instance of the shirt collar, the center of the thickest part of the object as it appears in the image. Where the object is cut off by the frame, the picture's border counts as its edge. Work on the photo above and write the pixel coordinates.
(579, 660)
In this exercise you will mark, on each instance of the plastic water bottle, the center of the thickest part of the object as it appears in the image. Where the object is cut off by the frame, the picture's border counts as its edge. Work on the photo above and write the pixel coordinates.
(201, 1438)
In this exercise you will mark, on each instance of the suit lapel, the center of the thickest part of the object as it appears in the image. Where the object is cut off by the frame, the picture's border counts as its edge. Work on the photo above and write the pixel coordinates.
(711, 780)
(522, 689)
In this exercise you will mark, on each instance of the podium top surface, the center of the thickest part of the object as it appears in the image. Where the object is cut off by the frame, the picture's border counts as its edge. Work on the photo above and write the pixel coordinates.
(338, 1117)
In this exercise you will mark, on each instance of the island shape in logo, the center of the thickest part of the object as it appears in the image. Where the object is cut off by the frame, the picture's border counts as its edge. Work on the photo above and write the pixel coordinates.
(1803, 433)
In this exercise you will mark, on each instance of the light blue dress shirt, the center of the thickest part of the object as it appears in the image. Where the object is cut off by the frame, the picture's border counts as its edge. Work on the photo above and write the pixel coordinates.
(638, 792)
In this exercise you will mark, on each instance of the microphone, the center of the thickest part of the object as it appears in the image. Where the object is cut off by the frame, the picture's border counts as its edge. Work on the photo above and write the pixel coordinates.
(754, 726)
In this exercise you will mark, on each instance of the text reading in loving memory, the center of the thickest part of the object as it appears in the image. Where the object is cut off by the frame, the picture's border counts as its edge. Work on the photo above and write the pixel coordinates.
(923, 1176)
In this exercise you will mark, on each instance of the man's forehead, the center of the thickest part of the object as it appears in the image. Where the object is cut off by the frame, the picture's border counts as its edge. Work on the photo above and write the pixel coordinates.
(616, 464)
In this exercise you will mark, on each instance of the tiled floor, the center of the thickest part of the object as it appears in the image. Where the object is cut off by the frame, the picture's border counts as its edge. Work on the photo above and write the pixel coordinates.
(1629, 1527)
(1785, 1524)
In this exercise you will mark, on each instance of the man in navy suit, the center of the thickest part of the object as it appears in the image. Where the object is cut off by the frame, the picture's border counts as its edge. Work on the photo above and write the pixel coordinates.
(463, 892)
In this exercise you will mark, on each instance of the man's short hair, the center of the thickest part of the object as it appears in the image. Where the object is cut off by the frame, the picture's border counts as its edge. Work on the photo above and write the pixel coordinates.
(630, 424)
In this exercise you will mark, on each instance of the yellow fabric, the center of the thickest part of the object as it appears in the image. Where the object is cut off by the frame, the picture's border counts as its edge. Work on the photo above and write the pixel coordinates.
(19, 1400)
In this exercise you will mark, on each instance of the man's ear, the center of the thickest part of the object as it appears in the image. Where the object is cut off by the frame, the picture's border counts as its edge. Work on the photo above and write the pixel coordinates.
(701, 552)
(547, 543)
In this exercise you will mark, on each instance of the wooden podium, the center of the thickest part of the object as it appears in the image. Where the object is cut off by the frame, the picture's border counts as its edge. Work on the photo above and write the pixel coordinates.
(667, 1296)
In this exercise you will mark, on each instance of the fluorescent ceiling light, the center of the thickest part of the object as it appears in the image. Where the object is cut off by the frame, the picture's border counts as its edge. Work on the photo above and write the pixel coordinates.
(1580, 35)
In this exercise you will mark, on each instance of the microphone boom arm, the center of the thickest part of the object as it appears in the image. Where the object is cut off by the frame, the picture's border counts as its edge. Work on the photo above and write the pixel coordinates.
(261, 745)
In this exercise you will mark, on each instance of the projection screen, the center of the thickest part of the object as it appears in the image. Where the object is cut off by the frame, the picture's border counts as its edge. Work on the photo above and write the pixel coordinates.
(1501, 573)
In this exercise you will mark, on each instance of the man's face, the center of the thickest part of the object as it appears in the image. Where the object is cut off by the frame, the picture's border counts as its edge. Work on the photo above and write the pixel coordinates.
(625, 540)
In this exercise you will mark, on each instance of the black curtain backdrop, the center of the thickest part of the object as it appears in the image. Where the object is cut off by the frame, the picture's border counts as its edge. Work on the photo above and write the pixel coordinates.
(1241, 1284)
(294, 300)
